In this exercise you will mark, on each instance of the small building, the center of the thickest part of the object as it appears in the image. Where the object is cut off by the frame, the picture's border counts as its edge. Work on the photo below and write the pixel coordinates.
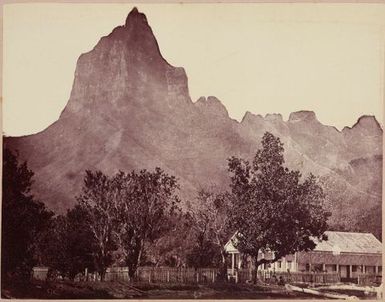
(40, 273)
(347, 253)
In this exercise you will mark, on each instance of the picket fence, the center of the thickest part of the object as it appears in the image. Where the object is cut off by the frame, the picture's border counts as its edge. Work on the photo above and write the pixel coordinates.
(245, 275)
(117, 274)
(210, 275)
(176, 275)
(369, 279)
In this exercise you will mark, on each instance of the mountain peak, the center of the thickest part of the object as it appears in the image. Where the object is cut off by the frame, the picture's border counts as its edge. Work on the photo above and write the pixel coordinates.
(303, 115)
(274, 117)
(131, 110)
(213, 105)
(250, 117)
(135, 17)
(368, 122)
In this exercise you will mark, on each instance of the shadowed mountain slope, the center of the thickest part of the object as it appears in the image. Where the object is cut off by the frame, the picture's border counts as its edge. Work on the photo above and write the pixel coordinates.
(130, 109)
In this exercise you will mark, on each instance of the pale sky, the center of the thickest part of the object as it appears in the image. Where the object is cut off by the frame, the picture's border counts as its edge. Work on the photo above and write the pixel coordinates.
(263, 58)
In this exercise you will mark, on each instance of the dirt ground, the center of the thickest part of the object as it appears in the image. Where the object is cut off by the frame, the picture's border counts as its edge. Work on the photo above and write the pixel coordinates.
(124, 290)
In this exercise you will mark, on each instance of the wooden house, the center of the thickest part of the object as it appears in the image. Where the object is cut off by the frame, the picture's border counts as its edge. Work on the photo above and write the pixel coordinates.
(347, 253)
(40, 273)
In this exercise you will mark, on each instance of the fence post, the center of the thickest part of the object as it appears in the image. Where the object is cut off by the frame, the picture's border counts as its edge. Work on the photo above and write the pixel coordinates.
(168, 276)
(179, 275)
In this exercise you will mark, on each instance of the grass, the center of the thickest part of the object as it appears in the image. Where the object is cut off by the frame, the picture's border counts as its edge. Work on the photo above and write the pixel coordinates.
(124, 290)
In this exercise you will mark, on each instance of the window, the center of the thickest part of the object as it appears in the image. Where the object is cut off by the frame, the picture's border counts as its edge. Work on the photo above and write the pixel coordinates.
(289, 264)
(279, 264)
(318, 267)
(354, 268)
(370, 269)
(380, 269)
(331, 267)
(307, 267)
(236, 260)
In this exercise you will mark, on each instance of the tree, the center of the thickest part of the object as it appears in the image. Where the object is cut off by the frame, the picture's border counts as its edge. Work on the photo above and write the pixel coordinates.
(126, 212)
(98, 201)
(68, 244)
(272, 209)
(172, 248)
(371, 221)
(53, 246)
(210, 221)
(80, 242)
(147, 201)
(23, 217)
(203, 254)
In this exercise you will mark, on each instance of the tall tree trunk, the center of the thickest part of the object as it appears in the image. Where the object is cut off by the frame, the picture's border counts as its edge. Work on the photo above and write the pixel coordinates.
(102, 264)
(133, 261)
(103, 274)
(255, 272)
(223, 269)
(132, 267)
(140, 253)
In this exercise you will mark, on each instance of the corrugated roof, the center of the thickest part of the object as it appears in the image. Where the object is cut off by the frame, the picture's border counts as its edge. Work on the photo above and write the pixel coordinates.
(338, 242)
(348, 242)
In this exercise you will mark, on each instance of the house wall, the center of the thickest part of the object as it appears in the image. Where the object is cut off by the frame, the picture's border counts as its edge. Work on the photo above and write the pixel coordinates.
(236, 261)
(40, 273)
(349, 265)
(342, 259)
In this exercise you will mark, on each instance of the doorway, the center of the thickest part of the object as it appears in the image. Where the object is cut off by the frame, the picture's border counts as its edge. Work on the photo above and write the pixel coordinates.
(344, 271)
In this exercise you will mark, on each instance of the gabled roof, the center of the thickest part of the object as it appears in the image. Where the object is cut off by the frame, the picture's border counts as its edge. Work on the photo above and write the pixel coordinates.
(229, 246)
(338, 242)
(349, 242)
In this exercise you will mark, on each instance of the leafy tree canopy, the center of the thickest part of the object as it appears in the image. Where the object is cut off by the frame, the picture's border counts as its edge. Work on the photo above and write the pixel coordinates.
(272, 207)
(98, 202)
(147, 203)
(126, 212)
(209, 220)
(68, 245)
(23, 217)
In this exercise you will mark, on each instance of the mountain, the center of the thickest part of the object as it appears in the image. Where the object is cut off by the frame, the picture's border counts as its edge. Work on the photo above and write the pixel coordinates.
(130, 109)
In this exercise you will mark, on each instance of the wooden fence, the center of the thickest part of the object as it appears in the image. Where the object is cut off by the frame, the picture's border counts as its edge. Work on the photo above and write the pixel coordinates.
(117, 274)
(242, 276)
(176, 275)
(210, 275)
(369, 279)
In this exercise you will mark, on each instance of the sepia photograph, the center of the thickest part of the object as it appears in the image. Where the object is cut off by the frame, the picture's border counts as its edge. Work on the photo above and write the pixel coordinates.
(192, 150)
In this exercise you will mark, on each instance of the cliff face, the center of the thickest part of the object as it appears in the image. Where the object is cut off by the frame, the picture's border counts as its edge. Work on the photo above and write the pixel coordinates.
(130, 109)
